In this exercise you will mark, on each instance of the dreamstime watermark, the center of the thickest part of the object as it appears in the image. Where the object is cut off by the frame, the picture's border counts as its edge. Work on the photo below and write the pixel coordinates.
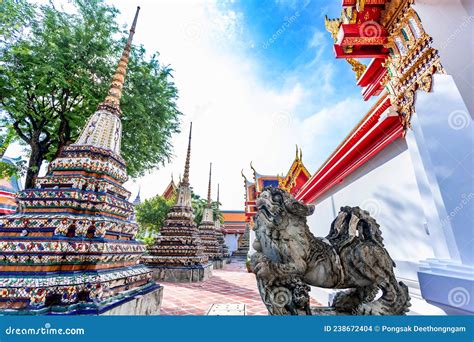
(372, 205)
(370, 29)
(288, 21)
(193, 30)
(459, 297)
(282, 119)
(46, 330)
(459, 30)
(280, 297)
(466, 198)
(459, 119)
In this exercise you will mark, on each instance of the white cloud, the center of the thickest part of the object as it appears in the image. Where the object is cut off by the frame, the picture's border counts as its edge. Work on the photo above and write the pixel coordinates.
(236, 116)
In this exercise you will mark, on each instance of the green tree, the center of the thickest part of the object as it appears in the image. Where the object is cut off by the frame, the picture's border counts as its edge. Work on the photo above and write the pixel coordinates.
(199, 204)
(8, 169)
(54, 73)
(151, 215)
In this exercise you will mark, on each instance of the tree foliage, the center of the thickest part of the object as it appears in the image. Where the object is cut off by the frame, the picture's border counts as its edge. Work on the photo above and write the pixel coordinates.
(13, 168)
(199, 204)
(151, 215)
(55, 73)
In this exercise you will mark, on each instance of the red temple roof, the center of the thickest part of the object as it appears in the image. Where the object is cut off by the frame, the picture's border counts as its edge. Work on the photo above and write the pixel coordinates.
(373, 133)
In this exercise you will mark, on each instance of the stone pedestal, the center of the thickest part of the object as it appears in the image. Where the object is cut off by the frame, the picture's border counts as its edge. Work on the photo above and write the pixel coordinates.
(189, 274)
(146, 304)
(218, 264)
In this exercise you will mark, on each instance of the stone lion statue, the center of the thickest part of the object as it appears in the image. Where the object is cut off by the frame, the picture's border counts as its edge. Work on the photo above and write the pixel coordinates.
(289, 258)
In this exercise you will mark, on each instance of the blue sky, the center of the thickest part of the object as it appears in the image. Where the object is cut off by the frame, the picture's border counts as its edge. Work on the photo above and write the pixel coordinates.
(304, 44)
(249, 98)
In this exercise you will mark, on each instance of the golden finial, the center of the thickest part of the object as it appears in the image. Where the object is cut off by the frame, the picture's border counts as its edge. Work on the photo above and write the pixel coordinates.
(301, 154)
(253, 169)
(188, 158)
(245, 183)
(332, 26)
(112, 100)
(357, 67)
(245, 178)
(209, 187)
(360, 5)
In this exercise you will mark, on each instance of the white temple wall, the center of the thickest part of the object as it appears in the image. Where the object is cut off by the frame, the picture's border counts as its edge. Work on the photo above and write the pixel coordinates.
(231, 241)
(451, 25)
(387, 187)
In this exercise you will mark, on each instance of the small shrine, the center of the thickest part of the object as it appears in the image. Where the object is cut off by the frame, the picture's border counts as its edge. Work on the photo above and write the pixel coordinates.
(171, 190)
(223, 249)
(244, 243)
(207, 231)
(178, 253)
(297, 175)
(71, 248)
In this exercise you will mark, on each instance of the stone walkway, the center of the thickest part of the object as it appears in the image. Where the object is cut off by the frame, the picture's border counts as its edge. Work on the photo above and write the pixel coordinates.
(231, 285)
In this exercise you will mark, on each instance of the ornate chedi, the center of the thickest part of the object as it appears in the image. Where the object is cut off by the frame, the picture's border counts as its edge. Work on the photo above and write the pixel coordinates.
(289, 258)
(71, 247)
(244, 243)
(178, 253)
(171, 190)
(207, 231)
(223, 249)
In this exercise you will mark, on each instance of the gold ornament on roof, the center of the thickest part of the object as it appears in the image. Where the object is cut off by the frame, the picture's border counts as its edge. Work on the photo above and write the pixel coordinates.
(357, 67)
(332, 26)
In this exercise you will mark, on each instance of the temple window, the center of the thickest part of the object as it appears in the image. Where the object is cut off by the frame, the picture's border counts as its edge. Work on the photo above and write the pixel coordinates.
(414, 27)
(400, 46)
(405, 35)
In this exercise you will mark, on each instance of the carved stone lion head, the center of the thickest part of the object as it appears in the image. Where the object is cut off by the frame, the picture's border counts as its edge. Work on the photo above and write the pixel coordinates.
(279, 223)
(274, 204)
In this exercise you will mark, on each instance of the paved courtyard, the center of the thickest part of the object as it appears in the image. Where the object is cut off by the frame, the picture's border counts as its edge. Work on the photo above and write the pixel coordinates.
(231, 285)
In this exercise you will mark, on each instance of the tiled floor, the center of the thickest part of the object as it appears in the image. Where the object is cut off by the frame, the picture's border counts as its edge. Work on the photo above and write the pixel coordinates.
(231, 285)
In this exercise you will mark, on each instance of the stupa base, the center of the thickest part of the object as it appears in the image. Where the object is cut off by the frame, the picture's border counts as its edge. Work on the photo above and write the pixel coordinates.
(175, 274)
(148, 304)
(141, 301)
(218, 264)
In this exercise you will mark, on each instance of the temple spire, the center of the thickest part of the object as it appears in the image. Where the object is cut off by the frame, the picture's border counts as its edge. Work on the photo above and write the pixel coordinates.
(185, 180)
(209, 187)
(137, 199)
(112, 100)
